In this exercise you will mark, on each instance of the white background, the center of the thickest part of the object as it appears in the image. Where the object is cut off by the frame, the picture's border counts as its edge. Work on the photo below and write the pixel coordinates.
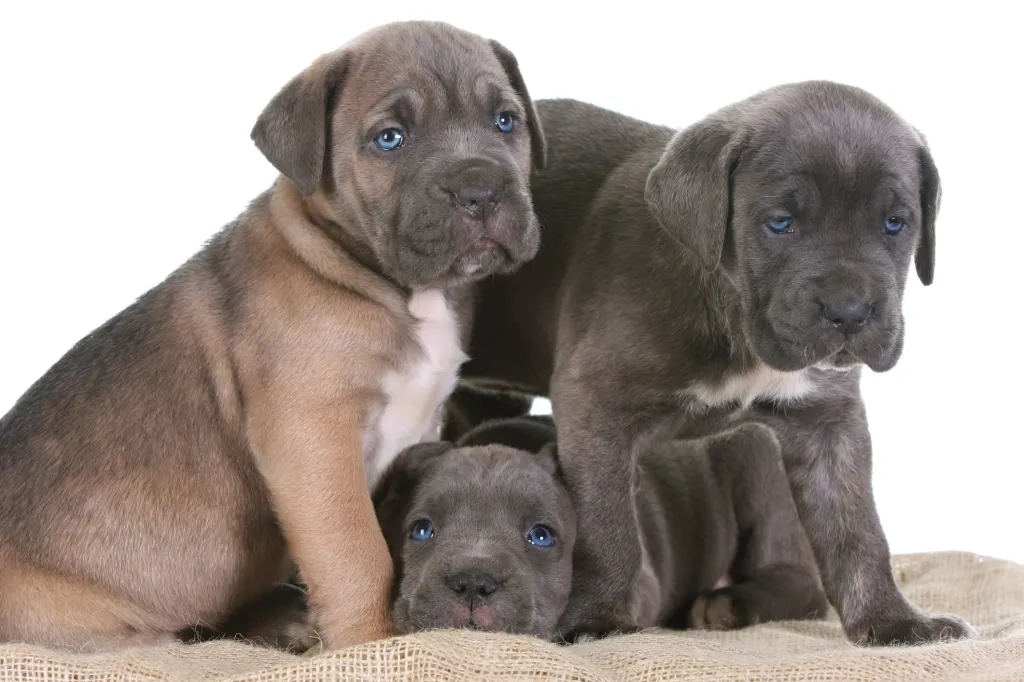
(124, 144)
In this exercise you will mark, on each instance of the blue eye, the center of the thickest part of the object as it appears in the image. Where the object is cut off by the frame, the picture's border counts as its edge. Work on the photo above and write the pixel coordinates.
(894, 224)
(541, 536)
(422, 530)
(780, 224)
(505, 121)
(390, 139)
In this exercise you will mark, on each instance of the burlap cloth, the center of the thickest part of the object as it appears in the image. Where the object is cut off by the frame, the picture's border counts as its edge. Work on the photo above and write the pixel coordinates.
(988, 592)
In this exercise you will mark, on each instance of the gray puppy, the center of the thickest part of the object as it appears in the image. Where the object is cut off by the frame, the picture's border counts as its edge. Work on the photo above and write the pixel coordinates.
(745, 267)
(482, 533)
(481, 537)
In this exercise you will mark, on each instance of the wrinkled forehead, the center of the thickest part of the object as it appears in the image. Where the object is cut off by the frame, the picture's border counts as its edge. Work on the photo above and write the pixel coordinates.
(483, 483)
(847, 150)
(418, 67)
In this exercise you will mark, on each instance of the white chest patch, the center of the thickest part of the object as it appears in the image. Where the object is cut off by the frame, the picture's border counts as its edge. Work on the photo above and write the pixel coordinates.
(762, 383)
(414, 394)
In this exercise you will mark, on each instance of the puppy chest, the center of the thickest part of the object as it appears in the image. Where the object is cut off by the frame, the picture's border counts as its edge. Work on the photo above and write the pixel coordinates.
(761, 383)
(413, 393)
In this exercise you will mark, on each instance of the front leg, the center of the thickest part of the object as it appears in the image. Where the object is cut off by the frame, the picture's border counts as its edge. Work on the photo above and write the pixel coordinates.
(312, 462)
(599, 440)
(827, 453)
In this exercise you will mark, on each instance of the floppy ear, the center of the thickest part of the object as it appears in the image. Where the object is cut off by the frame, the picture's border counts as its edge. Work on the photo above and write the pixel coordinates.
(538, 145)
(394, 494)
(931, 196)
(688, 190)
(548, 457)
(292, 130)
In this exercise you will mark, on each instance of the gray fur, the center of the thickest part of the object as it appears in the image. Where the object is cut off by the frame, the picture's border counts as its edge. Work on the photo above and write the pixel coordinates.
(659, 292)
(723, 544)
(482, 502)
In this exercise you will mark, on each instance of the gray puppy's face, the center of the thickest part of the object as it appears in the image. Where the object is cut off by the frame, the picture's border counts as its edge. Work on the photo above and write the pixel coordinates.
(816, 197)
(482, 538)
(415, 142)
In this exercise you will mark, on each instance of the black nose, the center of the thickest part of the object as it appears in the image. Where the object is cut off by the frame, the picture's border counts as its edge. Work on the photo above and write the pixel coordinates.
(472, 584)
(848, 315)
(475, 200)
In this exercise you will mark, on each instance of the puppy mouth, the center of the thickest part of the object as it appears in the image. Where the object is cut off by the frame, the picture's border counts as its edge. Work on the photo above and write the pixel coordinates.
(465, 251)
(841, 361)
(483, 257)
(482, 244)
(474, 616)
(789, 348)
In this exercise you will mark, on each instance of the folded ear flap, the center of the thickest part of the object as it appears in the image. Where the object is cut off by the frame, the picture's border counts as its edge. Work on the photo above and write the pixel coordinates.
(395, 492)
(689, 189)
(292, 130)
(548, 457)
(538, 145)
(931, 196)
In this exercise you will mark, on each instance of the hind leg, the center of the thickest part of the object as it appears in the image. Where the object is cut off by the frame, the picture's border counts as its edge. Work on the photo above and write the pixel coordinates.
(777, 592)
(44, 609)
(774, 575)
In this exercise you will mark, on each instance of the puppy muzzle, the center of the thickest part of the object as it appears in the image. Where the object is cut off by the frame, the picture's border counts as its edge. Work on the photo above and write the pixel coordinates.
(829, 327)
(471, 224)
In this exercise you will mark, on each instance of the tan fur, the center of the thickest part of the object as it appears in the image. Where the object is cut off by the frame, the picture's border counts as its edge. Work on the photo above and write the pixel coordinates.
(179, 461)
(317, 336)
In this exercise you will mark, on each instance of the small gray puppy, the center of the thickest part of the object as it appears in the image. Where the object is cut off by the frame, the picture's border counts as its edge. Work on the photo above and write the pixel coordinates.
(482, 533)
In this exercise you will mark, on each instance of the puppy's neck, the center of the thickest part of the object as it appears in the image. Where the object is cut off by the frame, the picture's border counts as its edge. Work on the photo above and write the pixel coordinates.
(722, 313)
(729, 305)
(346, 236)
(328, 249)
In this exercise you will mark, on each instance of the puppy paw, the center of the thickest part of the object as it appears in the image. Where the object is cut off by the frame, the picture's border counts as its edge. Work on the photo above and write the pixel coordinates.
(578, 626)
(279, 619)
(717, 610)
(911, 629)
(297, 637)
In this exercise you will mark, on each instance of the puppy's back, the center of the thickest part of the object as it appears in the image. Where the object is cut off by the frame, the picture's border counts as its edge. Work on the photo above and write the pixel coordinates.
(530, 433)
(586, 144)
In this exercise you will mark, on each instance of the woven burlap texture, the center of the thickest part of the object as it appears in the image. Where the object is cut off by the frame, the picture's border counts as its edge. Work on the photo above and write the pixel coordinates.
(988, 592)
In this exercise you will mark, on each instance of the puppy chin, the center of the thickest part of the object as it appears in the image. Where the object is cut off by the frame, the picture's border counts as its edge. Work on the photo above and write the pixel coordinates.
(842, 361)
(828, 352)
(480, 260)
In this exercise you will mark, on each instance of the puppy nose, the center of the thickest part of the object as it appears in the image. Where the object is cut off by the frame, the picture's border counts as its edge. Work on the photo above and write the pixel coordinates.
(475, 200)
(473, 584)
(848, 315)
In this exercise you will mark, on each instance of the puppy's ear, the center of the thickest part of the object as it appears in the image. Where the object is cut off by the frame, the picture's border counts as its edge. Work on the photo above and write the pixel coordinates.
(931, 196)
(548, 457)
(394, 494)
(689, 189)
(292, 130)
(538, 145)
